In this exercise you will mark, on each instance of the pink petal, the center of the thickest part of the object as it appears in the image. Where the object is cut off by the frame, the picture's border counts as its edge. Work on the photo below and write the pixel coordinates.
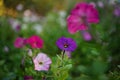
(92, 15)
(41, 57)
(73, 18)
(83, 27)
(19, 42)
(35, 41)
(79, 9)
(68, 53)
(48, 61)
(74, 23)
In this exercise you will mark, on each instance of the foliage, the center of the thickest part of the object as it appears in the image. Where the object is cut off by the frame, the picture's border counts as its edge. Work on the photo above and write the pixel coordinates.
(97, 59)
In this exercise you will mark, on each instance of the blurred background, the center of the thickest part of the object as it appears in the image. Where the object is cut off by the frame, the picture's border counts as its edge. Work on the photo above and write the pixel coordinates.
(97, 56)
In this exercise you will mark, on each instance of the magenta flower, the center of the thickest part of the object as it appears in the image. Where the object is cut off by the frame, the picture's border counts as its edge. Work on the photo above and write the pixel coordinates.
(28, 78)
(42, 62)
(35, 41)
(20, 42)
(81, 16)
(18, 27)
(66, 44)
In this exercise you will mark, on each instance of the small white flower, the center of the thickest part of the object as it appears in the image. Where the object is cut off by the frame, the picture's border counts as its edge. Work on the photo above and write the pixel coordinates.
(37, 28)
(6, 49)
(19, 7)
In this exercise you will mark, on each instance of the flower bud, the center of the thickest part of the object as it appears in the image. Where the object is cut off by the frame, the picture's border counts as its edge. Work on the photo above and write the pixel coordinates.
(30, 52)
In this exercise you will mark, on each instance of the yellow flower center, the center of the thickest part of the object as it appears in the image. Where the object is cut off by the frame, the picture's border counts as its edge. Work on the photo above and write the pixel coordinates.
(65, 45)
(40, 63)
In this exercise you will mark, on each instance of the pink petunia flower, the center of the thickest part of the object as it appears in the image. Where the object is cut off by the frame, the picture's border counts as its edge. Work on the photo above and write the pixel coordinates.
(20, 42)
(35, 41)
(42, 62)
(100, 4)
(68, 53)
(81, 16)
(86, 35)
(93, 4)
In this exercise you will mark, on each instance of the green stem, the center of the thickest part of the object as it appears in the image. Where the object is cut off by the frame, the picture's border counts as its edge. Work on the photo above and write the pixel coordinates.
(63, 54)
(23, 61)
(43, 77)
(23, 65)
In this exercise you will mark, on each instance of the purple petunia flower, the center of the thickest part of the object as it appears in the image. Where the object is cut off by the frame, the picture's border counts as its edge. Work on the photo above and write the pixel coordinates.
(67, 44)
(117, 11)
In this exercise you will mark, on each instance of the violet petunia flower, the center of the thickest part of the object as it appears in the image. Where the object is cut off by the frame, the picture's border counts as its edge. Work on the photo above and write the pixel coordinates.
(117, 11)
(35, 41)
(81, 16)
(20, 42)
(66, 44)
(42, 62)
(15, 24)
(18, 27)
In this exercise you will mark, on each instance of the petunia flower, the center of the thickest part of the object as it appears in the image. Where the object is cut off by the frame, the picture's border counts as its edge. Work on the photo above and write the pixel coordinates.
(30, 54)
(28, 78)
(68, 53)
(20, 42)
(35, 41)
(86, 35)
(117, 11)
(100, 4)
(81, 16)
(15, 24)
(66, 44)
(93, 4)
(42, 62)
(6, 49)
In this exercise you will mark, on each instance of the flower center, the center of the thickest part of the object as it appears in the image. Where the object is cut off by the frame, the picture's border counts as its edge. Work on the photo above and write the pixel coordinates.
(65, 45)
(40, 63)
(83, 19)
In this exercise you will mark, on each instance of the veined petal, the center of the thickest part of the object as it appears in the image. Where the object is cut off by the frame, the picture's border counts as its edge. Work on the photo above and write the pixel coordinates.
(46, 61)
